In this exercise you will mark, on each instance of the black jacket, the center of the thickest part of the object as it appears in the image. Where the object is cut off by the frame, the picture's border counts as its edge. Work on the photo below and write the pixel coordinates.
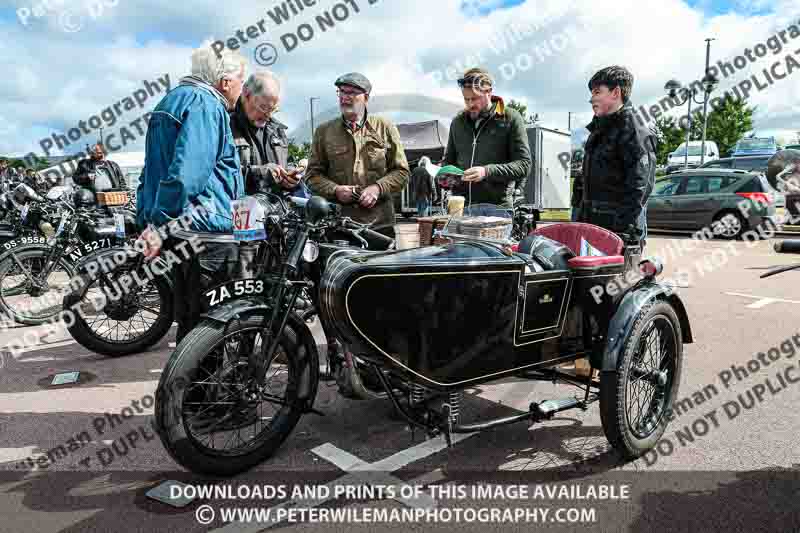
(87, 166)
(422, 183)
(619, 168)
(258, 148)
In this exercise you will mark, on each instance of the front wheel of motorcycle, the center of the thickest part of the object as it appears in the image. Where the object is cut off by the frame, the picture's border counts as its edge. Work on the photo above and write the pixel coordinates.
(128, 322)
(213, 415)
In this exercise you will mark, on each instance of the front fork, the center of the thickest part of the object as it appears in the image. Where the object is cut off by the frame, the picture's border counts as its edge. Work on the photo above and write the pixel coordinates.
(40, 281)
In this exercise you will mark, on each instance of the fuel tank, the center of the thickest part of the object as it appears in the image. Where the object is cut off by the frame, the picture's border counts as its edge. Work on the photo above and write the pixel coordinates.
(446, 315)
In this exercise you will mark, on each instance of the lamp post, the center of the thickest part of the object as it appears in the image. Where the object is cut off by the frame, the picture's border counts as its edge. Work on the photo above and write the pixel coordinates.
(709, 83)
(311, 102)
(688, 94)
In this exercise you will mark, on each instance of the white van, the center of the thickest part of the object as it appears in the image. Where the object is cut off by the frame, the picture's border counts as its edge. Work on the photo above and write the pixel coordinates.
(677, 159)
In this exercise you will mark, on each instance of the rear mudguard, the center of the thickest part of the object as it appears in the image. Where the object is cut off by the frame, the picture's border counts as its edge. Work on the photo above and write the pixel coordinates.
(240, 307)
(622, 322)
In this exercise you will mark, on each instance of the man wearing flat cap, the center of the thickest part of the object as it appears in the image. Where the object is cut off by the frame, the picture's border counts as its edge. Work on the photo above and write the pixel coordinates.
(357, 160)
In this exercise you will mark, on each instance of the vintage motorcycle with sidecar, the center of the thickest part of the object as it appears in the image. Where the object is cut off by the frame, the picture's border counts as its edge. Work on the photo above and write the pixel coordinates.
(418, 327)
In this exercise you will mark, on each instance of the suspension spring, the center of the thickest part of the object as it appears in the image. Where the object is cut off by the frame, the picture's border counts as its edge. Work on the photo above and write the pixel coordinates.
(454, 400)
(417, 395)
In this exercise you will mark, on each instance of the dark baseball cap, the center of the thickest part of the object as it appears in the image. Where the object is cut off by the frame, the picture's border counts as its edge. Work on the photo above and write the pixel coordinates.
(356, 80)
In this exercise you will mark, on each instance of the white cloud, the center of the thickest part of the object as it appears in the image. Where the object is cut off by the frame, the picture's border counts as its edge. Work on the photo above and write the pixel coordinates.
(54, 79)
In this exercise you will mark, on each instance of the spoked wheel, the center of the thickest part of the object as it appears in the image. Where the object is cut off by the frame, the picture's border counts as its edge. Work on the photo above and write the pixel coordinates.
(114, 322)
(36, 266)
(213, 415)
(635, 399)
(26, 294)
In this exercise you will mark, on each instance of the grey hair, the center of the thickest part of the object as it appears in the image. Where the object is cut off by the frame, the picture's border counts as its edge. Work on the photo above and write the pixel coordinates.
(212, 67)
(262, 82)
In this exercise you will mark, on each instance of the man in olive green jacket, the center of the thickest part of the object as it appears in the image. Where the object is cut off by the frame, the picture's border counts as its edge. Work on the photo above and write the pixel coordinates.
(358, 160)
(489, 141)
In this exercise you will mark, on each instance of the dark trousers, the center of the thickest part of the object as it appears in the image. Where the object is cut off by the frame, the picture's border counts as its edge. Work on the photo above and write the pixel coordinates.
(216, 264)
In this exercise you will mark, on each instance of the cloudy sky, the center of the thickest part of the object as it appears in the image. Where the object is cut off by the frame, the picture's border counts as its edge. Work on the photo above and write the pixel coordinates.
(66, 61)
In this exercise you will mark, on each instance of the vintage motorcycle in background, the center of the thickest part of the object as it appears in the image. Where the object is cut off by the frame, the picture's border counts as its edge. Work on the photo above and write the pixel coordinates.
(45, 269)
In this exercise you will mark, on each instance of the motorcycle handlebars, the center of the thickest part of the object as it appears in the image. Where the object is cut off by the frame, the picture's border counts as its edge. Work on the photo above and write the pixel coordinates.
(789, 246)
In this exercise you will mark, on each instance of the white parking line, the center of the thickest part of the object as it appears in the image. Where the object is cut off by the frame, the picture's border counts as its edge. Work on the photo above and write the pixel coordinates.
(106, 398)
(38, 347)
(360, 472)
(761, 300)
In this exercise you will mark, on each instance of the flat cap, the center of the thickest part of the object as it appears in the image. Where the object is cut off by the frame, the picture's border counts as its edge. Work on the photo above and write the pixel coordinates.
(356, 80)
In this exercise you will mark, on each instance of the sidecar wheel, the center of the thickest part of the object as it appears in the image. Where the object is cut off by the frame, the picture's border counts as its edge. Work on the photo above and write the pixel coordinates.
(635, 399)
(206, 401)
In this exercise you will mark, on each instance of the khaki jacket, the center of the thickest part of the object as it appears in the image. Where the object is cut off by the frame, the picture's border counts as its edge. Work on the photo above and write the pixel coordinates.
(371, 155)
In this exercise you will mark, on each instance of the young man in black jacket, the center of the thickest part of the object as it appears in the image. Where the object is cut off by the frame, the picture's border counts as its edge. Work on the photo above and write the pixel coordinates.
(619, 164)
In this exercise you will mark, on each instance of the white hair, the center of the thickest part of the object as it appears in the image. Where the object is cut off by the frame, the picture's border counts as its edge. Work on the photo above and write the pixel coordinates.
(212, 67)
(263, 82)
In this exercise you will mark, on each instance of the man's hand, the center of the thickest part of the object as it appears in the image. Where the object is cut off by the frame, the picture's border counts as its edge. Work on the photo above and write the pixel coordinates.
(474, 174)
(288, 180)
(344, 194)
(152, 242)
(370, 196)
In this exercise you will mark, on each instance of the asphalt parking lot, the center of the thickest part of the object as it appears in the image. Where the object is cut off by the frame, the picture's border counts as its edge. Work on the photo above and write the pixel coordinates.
(739, 473)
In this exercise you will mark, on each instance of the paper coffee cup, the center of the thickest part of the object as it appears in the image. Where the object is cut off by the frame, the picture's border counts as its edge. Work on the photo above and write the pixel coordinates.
(455, 206)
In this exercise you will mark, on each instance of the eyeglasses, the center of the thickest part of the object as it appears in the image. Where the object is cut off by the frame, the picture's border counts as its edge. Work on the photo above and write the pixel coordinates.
(350, 93)
(265, 110)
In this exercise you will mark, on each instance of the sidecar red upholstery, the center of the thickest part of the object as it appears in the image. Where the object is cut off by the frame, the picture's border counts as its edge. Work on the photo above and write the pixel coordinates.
(570, 234)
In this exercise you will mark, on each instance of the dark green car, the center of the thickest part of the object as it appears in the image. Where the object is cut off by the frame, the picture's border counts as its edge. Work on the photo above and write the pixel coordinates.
(729, 202)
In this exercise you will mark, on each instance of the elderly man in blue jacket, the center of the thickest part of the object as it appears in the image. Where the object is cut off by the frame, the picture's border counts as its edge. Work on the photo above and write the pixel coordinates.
(192, 172)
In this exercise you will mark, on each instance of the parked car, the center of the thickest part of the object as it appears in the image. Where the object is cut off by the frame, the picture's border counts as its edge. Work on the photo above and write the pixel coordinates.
(755, 146)
(753, 163)
(710, 198)
(677, 160)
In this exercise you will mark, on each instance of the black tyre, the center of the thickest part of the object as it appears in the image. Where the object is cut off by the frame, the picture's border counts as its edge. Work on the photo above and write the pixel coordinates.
(127, 323)
(636, 398)
(729, 225)
(33, 302)
(206, 396)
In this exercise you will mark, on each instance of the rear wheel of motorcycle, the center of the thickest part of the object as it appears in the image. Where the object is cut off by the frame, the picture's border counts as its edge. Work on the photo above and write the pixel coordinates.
(636, 398)
(87, 331)
(193, 365)
(19, 305)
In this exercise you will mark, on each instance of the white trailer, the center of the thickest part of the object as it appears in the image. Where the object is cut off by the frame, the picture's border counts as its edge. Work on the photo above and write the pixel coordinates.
(548, 184)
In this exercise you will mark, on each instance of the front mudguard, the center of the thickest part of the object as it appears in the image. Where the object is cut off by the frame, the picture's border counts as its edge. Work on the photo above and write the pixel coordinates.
(240, 307)
(236, 308)
(26, 247)
(625, 315)
(106, 257)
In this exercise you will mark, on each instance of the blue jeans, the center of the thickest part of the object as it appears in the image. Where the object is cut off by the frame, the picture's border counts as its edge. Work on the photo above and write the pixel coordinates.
(487, 210)
(643, 222)
(423, 208)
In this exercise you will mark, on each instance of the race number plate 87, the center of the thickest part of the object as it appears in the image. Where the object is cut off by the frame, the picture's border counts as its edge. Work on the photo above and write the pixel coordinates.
(248, 219)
